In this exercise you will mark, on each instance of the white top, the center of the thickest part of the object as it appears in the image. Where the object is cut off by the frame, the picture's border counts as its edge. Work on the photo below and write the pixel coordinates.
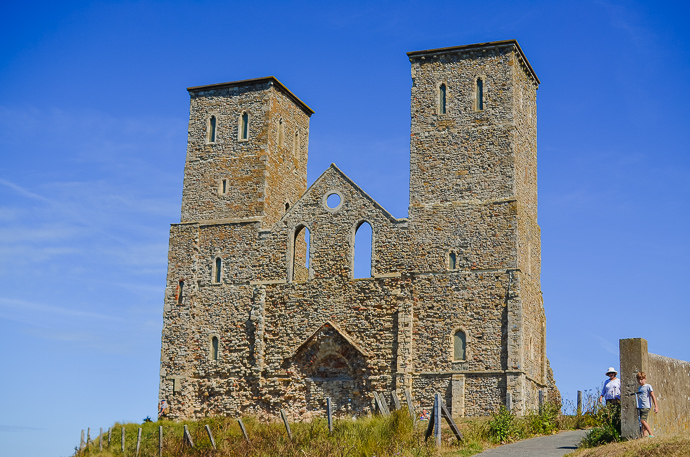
(612, 389)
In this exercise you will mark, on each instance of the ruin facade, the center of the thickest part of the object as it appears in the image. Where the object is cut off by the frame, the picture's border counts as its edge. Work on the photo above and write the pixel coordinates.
(259, 318)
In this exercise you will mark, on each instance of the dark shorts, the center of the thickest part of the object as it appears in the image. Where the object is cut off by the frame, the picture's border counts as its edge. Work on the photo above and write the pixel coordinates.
(644, 413)
(614, 401)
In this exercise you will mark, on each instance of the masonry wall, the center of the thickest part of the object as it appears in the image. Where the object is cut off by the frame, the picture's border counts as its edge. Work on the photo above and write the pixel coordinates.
(290, 336)
(670, 379)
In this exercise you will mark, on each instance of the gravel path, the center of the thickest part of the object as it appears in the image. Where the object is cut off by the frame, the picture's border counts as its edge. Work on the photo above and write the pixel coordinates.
(543, 446)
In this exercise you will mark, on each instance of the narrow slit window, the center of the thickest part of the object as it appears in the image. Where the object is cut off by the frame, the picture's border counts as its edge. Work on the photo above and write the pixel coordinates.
(459, 346)
(295, 144)
(244, 126)
(287, 206)
(452, 261)
(180, 290)
(214, 348)
(281, 132)
(480, 94)
(224, 187)
(442, 99)
(212, 129)
(363, 251)
(300, 254)
(218, 267)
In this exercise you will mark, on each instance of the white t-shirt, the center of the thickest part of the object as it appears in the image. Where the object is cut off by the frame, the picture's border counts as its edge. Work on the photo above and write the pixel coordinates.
(643, 396)
(612, 389)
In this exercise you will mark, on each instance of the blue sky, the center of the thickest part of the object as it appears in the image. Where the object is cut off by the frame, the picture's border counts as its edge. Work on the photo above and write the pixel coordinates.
(93, 114)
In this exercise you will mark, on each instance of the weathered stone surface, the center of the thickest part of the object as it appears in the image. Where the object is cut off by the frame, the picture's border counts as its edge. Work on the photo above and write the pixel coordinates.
(670, 379)
(292, 335)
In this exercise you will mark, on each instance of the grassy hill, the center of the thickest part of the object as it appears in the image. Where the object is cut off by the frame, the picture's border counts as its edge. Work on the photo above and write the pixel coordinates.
(675, 446)
(365, 437)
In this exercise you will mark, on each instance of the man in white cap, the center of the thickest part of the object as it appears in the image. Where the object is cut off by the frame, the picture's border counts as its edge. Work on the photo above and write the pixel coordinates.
(611, 392)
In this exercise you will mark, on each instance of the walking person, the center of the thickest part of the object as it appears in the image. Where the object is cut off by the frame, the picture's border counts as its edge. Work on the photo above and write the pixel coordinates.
(644, 394)
(611, 392)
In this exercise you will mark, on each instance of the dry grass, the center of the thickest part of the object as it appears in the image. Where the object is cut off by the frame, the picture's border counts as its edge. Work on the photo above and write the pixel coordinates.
(393, 436)
(676, 446)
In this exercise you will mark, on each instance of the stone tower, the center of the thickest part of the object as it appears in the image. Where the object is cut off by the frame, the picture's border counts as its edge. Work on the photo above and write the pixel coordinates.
(246, 151)
(255, 322)
(473, 173)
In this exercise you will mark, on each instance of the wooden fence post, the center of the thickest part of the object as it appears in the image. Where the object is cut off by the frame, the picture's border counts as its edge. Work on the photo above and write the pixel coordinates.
(437, 418)
(160, 441)
(396, 400)
(451, 422)
(100, 439)
(432, 422)
(579, 403)
(285, 421)
(213, 442)
(410, 405)
(188, 437)
(88, 436)
(122, 441)
(381, 404)
(509, 401)
(110, 431)
(244, 431)
(138, 441)
(81, 441)
(541, 400)
(385, 404)
(329, 413)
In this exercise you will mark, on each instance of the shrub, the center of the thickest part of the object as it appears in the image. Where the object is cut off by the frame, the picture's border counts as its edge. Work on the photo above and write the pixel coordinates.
(607, 426)
(503, 427)
(544, 422)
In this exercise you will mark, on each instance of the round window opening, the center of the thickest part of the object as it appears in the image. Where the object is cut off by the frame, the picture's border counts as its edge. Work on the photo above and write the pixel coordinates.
(333, 201)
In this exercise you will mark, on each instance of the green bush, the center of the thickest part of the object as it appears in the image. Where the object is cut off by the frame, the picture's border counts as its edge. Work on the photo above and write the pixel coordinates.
(544, 422)
(606, 421)
(503, 428)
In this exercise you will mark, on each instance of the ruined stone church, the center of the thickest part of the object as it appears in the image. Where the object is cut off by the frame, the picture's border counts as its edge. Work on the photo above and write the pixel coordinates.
(262, 310)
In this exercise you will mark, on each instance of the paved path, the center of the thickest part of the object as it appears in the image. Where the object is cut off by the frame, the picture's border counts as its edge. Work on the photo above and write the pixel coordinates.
(543, 446)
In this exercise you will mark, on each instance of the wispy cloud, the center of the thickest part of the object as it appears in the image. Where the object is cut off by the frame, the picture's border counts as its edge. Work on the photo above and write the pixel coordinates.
(23, 305)
(609, 346)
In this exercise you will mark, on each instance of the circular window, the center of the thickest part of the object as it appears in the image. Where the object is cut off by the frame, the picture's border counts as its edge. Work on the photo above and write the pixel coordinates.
(332, 200)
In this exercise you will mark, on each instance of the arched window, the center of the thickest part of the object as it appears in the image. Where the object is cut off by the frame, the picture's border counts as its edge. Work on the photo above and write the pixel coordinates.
(180, 289)
(459, 346)
(281, 133)
(244, 126)
(300, 254)
(212, 129)
(480, 94)
(442, 99)
(287, 206)
(452, 261)
(217, 269)
(363, 249)
(214, 348)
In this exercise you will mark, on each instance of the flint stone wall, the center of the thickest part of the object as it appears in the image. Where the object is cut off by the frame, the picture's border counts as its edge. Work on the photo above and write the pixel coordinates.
(291, 335)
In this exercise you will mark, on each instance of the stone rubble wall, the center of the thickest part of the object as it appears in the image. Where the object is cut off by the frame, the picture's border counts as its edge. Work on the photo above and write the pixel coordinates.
(290, 336)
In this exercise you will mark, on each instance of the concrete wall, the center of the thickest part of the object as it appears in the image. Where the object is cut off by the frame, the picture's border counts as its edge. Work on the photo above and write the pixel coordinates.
(670, 379)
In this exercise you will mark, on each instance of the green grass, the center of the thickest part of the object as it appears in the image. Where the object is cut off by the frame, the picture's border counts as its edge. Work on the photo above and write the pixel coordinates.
(366, 437)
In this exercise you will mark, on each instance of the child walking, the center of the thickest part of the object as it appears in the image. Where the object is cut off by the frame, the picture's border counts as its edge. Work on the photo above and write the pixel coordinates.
(644, 394)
